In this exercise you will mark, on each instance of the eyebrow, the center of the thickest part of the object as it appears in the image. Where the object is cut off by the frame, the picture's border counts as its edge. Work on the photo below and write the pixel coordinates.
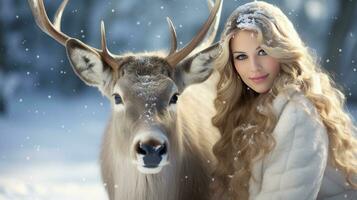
(244, 52)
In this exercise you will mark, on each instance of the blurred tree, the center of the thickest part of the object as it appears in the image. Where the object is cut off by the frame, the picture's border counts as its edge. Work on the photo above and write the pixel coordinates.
(337, 36)
(2, 46)
(351, 72)
(2, 66)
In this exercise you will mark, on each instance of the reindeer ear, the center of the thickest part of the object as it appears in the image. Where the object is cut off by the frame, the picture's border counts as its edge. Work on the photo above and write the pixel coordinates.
(196, 68)
(87, 63)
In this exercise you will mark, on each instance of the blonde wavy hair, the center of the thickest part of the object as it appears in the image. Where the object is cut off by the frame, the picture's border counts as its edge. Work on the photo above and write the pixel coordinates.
(239, 109)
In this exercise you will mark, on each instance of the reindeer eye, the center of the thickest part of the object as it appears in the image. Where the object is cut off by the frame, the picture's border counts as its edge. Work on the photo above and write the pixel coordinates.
(117, 99)
(174, 98)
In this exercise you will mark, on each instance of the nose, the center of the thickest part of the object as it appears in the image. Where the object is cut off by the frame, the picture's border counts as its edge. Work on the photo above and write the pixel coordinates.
(152, 152)
(146, 149)
(255, 64)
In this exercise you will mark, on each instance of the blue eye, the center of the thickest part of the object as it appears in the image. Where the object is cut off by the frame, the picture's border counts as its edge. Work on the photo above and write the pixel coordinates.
(117, 99)
(174, 98)
(262, 53)
(241, 57)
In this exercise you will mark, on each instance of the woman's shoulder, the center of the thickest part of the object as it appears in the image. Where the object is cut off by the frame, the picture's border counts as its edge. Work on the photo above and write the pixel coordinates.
(293, 100)
(299, 123)
(296, 113)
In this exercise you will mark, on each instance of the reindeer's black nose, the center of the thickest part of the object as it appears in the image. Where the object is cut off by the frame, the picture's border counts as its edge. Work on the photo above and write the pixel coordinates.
(152, 153)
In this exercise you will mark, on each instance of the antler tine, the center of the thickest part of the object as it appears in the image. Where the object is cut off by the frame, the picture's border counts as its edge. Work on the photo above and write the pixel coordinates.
(106, 55)
(58, 15)
(173, 36)
(176, 57)
(212, 32)
(41, 18)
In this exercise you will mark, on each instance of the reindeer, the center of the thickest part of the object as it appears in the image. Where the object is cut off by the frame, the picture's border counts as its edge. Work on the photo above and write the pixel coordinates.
(157, 146)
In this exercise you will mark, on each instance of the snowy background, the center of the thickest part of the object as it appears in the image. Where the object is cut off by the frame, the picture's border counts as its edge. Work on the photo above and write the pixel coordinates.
(51, 124)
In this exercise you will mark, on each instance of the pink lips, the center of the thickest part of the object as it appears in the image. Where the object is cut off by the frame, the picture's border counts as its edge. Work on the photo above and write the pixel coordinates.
(259, 79)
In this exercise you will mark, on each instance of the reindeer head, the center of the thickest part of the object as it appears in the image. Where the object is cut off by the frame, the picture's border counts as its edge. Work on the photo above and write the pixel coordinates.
(143, 88)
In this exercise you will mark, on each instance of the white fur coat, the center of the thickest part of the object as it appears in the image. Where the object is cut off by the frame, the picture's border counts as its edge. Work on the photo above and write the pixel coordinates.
(297, 168)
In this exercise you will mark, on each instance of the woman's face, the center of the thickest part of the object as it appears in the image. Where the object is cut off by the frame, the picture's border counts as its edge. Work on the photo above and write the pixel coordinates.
(255, 67)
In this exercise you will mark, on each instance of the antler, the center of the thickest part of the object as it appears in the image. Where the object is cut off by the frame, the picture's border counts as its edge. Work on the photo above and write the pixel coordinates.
(41, 18)
(54, 29)
(175, 57)
(107, 56)
(173, 36)
(58, 15)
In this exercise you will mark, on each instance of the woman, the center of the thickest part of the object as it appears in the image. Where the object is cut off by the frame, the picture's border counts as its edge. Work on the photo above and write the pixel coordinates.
(284, 132)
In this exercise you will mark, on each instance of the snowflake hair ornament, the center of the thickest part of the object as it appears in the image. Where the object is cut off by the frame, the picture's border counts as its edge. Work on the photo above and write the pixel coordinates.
(249, 17)
(246, 21)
